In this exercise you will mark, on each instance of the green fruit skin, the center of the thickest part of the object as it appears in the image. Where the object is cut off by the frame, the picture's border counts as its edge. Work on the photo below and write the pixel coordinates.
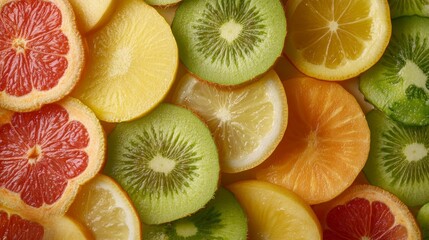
(399, 8)
(423, 220)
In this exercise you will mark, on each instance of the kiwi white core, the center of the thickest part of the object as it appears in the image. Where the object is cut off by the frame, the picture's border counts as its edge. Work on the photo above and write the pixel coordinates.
(230, 30)
(120, 62)
(161, 164)
(413, 75)
(415, 151)
(186, 229)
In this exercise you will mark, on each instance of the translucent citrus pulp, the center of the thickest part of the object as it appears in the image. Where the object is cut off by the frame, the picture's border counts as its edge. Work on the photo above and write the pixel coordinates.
(132, 63)
(92, 14)
(325, 145)
(247, 122)
(46, 154)
(336, 40)
(367, 212)
(41, 53)
(274, 212)
(104, 208)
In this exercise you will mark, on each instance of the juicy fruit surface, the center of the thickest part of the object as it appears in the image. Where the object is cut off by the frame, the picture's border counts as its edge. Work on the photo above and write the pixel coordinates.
(92, 14)
(308, 160)
(222, 218)
(229, 41)
(247, 123)
(274, 212)
(132, 66)
(40, 53)
(106, 210)
(367, 212)
(165, 161)
(46, 154)
(423, 220)
(398, 83)
(398, 159)
(400, 8)
(13, 226)
(336, 40)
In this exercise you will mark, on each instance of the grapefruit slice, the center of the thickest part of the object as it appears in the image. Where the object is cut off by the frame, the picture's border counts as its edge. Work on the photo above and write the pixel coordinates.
(325, 145)
(367, 212)
(46, 154)
(41, 53)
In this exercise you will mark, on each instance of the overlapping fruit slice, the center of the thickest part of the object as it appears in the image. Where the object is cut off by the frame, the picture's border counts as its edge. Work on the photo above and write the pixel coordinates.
(367, 212)
(46, 154)
(41, 53)
(92, 14)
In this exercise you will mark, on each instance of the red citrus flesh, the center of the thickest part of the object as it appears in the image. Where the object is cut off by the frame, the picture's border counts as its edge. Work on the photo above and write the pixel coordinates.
(14, 227)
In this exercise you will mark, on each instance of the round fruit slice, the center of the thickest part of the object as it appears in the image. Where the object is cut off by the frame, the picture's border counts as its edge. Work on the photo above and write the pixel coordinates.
(325, 145)
(167, 162)
(400, 8)
(41, 53)
(336, 40)
(423, 220)
(274, 212)
(132, 66)
(367, 212)
(247, 122)
(221, 218)
(229, 41)
(46, 154)
(398, 158)
(398, 83)
(92, 14)
(104, 208)
(15, 226)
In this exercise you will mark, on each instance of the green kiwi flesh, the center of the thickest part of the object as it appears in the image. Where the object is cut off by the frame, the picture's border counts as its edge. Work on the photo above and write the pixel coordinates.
(222, 218)
(166, 161)
(229, 42)
(399, 83)
(400, 8)
(162, 2)
(423, 220)
(398, 159)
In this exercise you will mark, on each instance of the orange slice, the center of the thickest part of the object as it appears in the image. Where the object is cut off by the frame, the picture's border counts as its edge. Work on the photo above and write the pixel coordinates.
(41, 53)
(274, 212)
(336, 40)
(104, 208)
(367, 212)
(46, 154)
(325, 145)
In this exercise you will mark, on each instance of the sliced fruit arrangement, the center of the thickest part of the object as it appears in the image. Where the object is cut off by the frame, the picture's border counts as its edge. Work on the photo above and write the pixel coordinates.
(92, 14)
(274, 212)
(325, 145)
(229, 42)
(398, 159)
(398, 83)
(41, 53)
(400, 8)
(105, 209)
(46, 154)
(167, 161)
(222, 218)
(131, 66)
(15, 226)
(423, 220)
(248, 122)
(367, 212)
(336, 40)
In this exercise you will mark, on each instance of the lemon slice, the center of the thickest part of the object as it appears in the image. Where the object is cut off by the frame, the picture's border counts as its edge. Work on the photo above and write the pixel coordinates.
(336, 40)
(133, 61)
(247, 122)
(105, 209)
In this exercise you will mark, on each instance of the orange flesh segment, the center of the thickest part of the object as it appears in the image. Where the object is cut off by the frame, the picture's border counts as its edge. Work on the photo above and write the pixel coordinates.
(12, 226)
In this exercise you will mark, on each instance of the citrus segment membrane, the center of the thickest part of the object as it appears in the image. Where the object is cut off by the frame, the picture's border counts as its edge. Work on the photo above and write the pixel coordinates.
(229, 42)
(247, 123)
(167, 162)
(398, 158)
(398, 84)
(46, 154)
(336, 40)
(13, 226)
(131, 66)
(104, 208)
(399, 8)
(41, 53)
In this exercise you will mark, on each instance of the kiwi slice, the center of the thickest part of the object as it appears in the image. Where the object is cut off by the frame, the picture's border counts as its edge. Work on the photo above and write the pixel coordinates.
(400, 8)
(223, 218)
(423, 220)
(398, 159)
(398, 84)
(166, 161)
(229, 42)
